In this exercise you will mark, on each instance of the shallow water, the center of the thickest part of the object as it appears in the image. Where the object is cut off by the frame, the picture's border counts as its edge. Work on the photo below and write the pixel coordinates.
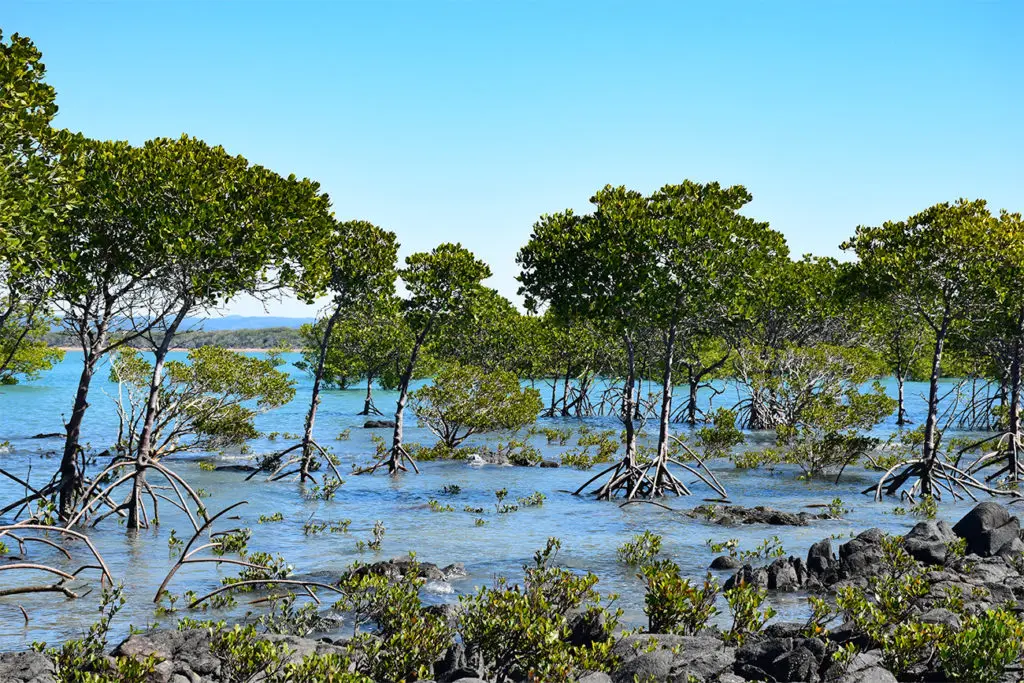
(590, 531)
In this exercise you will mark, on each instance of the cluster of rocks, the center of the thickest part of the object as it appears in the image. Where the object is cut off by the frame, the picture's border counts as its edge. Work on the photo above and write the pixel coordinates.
(993, 542)
(733, 515)
(399, 567)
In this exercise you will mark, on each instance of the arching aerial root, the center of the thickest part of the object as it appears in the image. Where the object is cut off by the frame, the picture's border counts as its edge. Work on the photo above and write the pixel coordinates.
(652, 479)
(932, 477)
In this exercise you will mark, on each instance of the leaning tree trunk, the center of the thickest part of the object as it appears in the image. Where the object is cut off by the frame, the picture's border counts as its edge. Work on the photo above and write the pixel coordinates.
(550, 412)
(927, 469)
(308, 452)
(70, 477)
(629, 401)
(691, 406)
(929, 452)
(565, 392)
(398, 456)
(145, 445)
(625, 475)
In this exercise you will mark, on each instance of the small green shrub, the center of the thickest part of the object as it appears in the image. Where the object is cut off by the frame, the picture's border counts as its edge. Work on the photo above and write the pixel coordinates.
(523, 632)
(269, 519)
(641, 549)
(745, 602)
(983, 648)
(673, 604)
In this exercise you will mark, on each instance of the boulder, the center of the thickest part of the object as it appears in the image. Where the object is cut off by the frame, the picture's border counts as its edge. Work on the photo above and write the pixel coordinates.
(865, 667)
(820, 560)
(586, 627)
(1012, 549)
(940, 615)
(927, 541)
(730, 515)
(861, 555)
(398, 567)
(786, 574)
(987, 529)
(188, 650)
(551, 464)
(235, 468)
(725, 562)
(671, 658)
(595, 677)
(749, 575)
(780, 659)
(379, 424)
(26, 667)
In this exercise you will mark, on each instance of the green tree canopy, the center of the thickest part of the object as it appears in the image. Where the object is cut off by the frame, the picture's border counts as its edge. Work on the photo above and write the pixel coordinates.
(35, 192)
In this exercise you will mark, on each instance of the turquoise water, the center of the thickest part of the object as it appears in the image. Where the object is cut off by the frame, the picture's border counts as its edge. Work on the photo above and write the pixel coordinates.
(590, 531)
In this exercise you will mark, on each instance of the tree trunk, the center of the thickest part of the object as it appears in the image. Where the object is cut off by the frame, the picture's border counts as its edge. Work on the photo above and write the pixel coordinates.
(565, 392)
(152, 407)
(397, 451)
(70, 477)
(666, 395)
(929, 453)
(368, 406)
(554, 396)
(901, 412)
(691, 407)
(314, 401)
(1013, 426)
(627, 402)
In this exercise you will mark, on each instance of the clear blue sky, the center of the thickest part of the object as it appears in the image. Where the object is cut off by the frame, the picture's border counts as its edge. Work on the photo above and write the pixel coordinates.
(465, 121)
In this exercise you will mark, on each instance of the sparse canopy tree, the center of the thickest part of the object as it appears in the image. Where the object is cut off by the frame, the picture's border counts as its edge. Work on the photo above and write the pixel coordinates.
(490, 335)
(932, 263)
(355, 265)
(797, 303)
(464, 400)
(442, 285)
(571, 357)
(895, 333)
(35, 191)
(817, 401)
(206, 403)
(703, 358)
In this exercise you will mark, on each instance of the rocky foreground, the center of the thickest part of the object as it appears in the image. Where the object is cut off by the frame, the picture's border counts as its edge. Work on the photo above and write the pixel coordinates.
(962, 570)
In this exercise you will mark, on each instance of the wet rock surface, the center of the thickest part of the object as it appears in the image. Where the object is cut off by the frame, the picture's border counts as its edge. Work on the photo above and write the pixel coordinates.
(734, 515)
(379, 424)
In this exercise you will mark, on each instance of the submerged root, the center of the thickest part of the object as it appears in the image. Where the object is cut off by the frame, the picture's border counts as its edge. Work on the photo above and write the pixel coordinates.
(307, 461)
(395, 460)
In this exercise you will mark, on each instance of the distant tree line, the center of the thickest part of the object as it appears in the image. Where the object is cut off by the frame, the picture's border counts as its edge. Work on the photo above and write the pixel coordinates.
(262, 338)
